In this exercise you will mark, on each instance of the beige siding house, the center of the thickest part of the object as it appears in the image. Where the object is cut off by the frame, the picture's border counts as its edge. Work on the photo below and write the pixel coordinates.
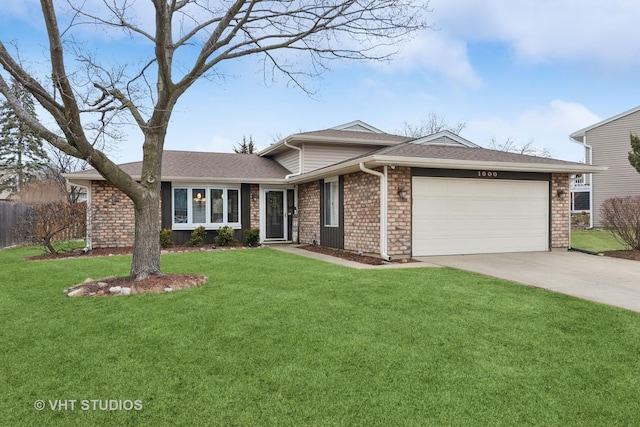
(606, 143)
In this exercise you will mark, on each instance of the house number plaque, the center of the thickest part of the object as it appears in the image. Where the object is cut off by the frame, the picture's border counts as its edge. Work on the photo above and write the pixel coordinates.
(488, 174)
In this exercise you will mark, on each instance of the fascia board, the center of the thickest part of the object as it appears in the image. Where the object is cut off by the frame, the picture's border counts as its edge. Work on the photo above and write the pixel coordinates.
(186, 179)
(579, 134)
(488, 165)
(374, 161)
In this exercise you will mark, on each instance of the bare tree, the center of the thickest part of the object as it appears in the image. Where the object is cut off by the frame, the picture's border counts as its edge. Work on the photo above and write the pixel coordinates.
(510, 146)
(433, 124)
(51, 214)
(187, 40)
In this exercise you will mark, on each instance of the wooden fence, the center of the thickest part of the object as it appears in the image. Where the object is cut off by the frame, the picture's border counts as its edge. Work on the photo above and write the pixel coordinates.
(13, 217)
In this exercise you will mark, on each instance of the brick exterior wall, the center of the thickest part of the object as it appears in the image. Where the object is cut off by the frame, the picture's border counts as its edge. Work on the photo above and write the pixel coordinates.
(309, 212)
(254, 200)
(362, 213)
(560, 211)
(399, 212)
(112, 217)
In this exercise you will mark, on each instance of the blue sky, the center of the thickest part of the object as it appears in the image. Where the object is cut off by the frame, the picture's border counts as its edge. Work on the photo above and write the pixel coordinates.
(528, 70)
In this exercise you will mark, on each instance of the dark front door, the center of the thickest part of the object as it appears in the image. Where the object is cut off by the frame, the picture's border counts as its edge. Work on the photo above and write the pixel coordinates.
(275, 214)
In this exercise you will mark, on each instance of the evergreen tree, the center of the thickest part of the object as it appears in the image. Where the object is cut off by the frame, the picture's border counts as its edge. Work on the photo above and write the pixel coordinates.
(634, 154)
(245, 147)
(22, 156)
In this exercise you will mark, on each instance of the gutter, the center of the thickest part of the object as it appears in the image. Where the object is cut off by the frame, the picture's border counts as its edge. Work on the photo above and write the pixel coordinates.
(383, 208)
(286, 143)
(590, 148)
(580, 137)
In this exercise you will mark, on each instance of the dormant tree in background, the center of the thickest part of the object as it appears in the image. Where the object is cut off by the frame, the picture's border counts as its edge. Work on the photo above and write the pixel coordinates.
(510, 146)
(22, 155)
(245, 147)
(434, 123)
(186, 41)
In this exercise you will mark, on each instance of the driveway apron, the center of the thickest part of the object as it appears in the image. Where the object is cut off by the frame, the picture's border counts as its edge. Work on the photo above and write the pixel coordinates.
(606, 280)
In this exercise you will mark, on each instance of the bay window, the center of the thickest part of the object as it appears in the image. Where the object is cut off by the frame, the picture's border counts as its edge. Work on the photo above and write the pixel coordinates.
(208, 206)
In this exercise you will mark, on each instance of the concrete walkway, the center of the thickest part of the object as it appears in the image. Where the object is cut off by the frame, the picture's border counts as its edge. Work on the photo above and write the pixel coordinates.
(293, 249)
(605, 280)
(602, 279)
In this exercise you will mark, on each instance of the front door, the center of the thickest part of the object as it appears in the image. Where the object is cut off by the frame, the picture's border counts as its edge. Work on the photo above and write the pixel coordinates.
(275, 214)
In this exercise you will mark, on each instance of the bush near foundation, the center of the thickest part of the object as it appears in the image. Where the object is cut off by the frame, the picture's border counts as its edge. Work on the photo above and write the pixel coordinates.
(621, 217)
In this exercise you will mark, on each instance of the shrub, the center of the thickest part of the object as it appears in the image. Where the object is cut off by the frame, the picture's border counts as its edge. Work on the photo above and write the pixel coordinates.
(252, 237)
(197, 237)
(621, 217)
(165, 238)
(226, 236)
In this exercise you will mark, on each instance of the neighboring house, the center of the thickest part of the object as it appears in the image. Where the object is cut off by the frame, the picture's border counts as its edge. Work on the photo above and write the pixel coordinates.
(356, 188)
(607, 143)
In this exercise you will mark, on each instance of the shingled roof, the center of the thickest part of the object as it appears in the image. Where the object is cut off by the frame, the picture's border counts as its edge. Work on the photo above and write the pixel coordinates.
(191, 165)
(447, 157)
(466, 153)
(354, 136)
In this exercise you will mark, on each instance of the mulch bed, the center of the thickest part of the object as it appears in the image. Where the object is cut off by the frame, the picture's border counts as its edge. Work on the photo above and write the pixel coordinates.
(351, 256)
(121, 251)
(632, 255)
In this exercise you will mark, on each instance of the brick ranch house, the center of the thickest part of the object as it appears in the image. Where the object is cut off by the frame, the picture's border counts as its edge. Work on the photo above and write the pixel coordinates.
(356, 188)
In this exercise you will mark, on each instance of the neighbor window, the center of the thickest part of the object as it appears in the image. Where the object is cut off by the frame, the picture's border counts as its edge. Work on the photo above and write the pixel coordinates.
(210, 206)
(331, 202)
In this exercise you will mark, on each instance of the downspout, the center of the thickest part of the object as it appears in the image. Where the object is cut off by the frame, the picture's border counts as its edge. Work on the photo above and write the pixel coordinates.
(383, 208)
(286, 143)
(590, 148)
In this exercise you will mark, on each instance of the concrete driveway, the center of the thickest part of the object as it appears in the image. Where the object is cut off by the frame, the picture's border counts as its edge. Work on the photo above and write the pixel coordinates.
(602, 279)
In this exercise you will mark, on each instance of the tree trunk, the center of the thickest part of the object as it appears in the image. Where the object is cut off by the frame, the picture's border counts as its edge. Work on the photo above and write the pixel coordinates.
(146, 246)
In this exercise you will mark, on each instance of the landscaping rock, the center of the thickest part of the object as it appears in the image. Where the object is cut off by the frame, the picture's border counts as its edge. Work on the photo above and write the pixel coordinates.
(102, 285)
(168, 289)
(76, 292)
(126, 291)
(100, 292)
(115, 290)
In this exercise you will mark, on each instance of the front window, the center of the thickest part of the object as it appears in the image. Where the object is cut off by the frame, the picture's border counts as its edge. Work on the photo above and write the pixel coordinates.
(199, 206)
(331, 203)
(180, 212)
(209, 206)
(217, 205)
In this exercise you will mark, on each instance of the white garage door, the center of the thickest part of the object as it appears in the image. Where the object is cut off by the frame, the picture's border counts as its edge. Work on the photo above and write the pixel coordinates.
(472, 216)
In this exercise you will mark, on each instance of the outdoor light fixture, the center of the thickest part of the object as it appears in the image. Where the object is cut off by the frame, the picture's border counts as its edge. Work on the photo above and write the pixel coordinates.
(402, 193)
(254, 197)
(561, 193)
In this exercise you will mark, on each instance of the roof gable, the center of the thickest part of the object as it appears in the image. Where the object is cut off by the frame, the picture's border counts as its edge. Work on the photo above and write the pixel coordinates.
(358, 126)
(352, 133)
(445, 137)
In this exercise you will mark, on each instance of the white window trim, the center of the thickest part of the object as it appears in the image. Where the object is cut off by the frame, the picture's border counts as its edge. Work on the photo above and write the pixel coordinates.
(337, 195)
(190, 225)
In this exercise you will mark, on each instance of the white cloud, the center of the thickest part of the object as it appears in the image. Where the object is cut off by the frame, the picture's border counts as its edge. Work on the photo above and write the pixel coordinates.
(547, 126)
(542, 30)
(438, 53)
(559, 116)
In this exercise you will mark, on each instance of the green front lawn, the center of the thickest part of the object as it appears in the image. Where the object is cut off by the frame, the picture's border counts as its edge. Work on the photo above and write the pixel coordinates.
(275, 339)
(595, 241)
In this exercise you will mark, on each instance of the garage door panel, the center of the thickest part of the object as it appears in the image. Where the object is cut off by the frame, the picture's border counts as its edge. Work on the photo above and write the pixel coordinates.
(465, 216)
